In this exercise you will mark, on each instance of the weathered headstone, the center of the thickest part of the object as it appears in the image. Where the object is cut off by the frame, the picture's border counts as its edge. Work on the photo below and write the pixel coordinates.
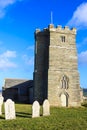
(36, 109)
(9, 110)
(46, 108)
(1, 102)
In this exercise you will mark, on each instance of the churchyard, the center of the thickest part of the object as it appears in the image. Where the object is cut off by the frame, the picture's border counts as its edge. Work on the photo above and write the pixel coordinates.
(52, 118)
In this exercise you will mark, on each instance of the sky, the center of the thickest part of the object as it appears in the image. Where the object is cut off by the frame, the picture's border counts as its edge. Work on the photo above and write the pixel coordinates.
(18, 22)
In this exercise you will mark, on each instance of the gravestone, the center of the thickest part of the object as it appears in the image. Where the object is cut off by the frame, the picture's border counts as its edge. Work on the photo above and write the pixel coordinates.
(9, 110)
(1, 102)
(36, 109)
(46, 108)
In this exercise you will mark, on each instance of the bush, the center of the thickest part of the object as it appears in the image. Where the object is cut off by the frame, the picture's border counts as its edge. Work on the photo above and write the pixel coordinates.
(84, 104)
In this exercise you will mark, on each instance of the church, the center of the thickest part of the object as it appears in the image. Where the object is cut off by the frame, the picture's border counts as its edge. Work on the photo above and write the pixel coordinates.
(56, 75)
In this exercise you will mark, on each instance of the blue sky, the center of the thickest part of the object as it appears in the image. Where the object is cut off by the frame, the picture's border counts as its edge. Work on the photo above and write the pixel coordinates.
(18, 21)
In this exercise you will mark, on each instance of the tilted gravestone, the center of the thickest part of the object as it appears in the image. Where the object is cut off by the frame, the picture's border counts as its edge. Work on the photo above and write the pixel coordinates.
(36, 109)
(9, 110)
(1, 102)
(46, 108)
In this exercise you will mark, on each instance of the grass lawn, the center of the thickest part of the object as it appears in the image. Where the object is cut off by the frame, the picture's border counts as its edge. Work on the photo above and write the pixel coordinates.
(60, 119)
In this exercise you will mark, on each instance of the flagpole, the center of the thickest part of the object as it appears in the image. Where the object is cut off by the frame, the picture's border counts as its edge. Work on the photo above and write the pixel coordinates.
(51, 17)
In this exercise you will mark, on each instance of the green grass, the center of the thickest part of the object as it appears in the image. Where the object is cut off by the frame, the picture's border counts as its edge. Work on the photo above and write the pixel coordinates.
(60, 119)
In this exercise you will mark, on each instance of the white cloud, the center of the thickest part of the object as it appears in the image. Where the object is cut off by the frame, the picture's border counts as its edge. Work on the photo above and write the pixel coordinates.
(5, 60)
(4, 4)
(82, 57)
(8, 54)
(28, 60)
(79, 18)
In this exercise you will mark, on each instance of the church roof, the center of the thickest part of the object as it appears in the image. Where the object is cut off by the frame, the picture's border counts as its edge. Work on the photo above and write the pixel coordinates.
(8, 83)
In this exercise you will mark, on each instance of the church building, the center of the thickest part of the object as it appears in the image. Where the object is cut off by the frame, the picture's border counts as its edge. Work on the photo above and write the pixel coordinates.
(56, 75)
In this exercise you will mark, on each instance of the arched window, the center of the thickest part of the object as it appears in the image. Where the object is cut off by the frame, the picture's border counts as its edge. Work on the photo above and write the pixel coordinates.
(64, 82)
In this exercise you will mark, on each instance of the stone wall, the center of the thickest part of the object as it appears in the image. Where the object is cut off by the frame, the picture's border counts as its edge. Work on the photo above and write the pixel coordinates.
(56, 68)
(19, 90)
(41, 65)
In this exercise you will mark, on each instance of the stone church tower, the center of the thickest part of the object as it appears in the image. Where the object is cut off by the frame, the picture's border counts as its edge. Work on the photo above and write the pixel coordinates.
(56, 76)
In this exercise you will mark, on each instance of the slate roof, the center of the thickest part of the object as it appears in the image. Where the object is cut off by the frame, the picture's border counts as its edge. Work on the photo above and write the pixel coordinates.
(8, 83)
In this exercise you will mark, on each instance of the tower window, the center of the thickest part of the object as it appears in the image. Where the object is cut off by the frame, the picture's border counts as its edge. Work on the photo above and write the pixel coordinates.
(63, 38)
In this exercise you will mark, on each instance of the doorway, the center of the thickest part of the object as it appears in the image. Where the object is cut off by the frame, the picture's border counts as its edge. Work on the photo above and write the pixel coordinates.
(64, 100)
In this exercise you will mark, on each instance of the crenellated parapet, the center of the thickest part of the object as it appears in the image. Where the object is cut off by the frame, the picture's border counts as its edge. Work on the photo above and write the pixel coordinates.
(61, 29)
(37, 30)
(58, 28)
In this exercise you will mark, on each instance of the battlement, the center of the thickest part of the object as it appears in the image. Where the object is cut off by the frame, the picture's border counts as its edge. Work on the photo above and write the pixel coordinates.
(58, 28)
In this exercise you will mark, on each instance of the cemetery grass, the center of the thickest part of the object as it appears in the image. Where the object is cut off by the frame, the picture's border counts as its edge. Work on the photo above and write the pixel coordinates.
(60, 119)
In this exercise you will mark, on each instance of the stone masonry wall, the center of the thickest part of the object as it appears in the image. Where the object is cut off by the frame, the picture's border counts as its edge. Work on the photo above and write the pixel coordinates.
(63, 61)
(56, 74)
(41, 65)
